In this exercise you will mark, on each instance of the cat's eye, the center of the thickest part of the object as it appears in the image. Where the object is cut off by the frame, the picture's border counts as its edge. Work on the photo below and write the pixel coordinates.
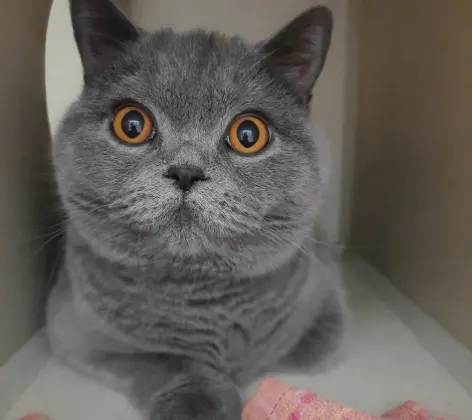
(133, 125)
(248, 134)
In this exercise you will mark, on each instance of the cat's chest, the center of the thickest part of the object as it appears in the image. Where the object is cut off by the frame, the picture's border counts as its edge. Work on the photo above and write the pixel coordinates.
(238, 326)
(221, 326)
(227, 324)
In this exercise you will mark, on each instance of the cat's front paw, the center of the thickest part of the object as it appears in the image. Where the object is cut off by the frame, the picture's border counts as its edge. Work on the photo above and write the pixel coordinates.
(197, 401)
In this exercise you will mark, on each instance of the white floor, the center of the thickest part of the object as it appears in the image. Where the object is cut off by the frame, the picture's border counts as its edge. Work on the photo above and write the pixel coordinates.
(397, 354)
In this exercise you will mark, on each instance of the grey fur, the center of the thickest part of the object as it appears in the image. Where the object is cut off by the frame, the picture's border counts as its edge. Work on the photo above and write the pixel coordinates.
(178, 299)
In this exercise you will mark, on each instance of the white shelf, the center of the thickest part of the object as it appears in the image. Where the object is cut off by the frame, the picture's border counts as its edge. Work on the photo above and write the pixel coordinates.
(397, 353)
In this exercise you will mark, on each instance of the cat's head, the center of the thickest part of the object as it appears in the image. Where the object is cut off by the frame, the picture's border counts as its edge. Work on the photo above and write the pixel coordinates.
(192, 145)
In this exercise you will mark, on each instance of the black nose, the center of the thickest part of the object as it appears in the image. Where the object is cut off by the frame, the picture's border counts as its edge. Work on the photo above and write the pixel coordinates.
(185, 176)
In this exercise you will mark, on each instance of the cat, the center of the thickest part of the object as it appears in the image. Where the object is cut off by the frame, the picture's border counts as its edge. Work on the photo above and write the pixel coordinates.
(191, 179)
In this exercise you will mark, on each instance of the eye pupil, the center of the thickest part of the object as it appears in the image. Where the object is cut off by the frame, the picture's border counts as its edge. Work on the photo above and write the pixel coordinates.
(248, 133)
(133, 124)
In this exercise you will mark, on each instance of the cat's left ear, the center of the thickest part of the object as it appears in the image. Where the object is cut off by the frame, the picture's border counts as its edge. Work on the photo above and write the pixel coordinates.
(296, 55)
(99, 27)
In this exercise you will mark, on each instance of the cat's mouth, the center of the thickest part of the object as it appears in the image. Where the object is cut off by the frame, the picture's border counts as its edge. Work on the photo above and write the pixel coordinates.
(184, 214)
(181, 217)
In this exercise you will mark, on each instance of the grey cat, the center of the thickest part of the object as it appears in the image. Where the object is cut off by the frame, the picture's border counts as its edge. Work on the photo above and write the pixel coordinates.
(191, 179)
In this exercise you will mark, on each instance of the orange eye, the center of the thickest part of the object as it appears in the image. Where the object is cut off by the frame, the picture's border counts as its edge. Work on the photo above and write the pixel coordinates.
(248, 134)
(133, 125)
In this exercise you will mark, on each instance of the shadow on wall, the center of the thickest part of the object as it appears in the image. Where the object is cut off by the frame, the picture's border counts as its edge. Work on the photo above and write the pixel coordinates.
(25, 207)
(413, 178)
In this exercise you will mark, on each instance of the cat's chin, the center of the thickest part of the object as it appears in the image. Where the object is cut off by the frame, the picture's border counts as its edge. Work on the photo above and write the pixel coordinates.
(182, 223)
(176, 237)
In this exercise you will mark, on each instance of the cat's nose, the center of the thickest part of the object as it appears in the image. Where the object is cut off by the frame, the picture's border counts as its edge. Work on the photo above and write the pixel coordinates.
(185, 176)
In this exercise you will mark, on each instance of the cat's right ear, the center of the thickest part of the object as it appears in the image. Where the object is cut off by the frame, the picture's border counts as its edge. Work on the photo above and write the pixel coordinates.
(297, 53)
(99, 28)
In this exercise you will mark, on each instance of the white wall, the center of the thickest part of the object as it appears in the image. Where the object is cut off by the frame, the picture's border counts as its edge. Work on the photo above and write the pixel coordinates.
(23, 173)
(256, 20)
(412, 196)
(63, 68)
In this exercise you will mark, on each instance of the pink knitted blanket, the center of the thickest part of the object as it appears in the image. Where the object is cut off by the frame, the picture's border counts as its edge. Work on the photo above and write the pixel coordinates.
(275, 401)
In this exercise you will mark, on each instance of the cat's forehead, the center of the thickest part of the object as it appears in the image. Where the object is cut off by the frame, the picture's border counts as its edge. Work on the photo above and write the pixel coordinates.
(198, 50)
(197, 75)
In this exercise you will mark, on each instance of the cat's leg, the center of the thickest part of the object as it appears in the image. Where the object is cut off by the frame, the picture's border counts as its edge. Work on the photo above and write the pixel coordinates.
(323, 343)
(165, 387)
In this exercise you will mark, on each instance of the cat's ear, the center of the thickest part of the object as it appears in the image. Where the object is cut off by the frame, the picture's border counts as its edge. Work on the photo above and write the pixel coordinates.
(297, 53)
(99, 27)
